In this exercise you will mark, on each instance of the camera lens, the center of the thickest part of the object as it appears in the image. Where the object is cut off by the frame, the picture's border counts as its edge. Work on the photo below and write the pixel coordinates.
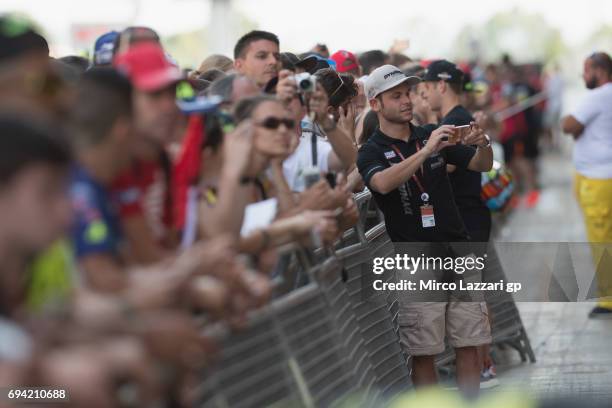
(304, 84)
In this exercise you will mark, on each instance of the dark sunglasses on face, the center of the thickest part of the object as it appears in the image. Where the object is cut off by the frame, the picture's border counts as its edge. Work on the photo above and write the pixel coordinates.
(273, 123)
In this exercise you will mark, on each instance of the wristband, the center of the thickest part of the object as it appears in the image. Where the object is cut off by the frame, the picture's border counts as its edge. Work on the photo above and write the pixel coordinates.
(488, 141)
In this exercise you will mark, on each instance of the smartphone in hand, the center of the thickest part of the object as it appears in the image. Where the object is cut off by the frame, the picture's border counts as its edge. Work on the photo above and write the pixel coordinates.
(460, 132)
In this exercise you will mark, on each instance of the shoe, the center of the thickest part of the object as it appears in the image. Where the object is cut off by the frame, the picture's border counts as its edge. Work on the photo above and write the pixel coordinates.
(599, 312)
(514, 202)
(488, 378)
(532, 198)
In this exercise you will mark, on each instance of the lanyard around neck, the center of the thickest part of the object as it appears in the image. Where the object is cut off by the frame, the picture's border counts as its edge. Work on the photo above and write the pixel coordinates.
(424, 195)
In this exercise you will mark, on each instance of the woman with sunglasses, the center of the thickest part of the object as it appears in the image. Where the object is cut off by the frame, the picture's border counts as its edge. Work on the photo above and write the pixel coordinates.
(234, 173)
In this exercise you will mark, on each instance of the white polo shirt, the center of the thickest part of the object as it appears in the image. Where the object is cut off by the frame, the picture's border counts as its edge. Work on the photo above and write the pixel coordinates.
(593, 149)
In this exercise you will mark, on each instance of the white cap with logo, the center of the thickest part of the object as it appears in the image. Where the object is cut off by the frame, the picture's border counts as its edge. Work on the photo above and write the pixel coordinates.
(384, 78)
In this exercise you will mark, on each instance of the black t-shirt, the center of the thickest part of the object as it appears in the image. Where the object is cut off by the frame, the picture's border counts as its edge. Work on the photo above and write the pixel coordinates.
(402, 206)
(466, 186)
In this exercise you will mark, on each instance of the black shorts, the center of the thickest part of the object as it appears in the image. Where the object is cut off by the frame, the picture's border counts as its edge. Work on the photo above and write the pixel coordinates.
(513, 147)
(531, 145)
(478, 223)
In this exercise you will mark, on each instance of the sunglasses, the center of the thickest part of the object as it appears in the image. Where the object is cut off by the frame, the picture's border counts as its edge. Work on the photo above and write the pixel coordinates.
(339, 86)
(273, 123)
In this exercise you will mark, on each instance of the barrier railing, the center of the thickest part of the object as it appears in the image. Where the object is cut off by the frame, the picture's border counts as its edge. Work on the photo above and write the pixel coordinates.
(328, 336)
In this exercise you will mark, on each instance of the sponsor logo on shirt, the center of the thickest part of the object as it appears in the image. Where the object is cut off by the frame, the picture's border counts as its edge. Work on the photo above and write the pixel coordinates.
(437, 163)
(390, 154)
(404, 191)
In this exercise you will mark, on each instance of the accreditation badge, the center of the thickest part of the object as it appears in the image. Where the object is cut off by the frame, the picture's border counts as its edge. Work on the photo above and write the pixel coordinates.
(427, 216)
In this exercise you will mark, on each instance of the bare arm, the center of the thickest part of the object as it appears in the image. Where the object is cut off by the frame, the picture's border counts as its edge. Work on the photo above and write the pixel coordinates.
(389, 179)
(354, 181)
(344, 153)
(284, 195)
(143, 247)
(570, 125)
(227, 214)
(103, 273)
(482, 160)
(287, 230)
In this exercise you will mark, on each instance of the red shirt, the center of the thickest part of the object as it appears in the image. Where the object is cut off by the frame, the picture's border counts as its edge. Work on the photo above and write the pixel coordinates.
(143, 190)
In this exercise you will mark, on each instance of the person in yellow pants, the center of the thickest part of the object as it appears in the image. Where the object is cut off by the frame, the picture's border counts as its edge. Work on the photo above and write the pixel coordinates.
(591, 125)
(595, 199)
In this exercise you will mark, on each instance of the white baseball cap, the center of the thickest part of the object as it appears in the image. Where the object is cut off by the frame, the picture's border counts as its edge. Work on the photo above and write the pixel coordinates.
(384, 78)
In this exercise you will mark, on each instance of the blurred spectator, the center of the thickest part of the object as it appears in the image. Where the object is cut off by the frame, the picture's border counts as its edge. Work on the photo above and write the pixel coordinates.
(443, 87)
(103, 139)
(312, 63)
(78, 63)
(370, 124)
(289, 61)
(35, 206)
(591, 126)
(554, 86)
(133, 35)
(232, 89)
(370, 60)
(212, 75)
(104, 49)
(143, 189)
(321, 49)
(422, 113)
(216, 61)
(346, 62)
(514, 131)
(28, 79)
(399, 60)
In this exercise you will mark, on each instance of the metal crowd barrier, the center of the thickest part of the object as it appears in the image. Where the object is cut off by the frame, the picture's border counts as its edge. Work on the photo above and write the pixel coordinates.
(328, 335)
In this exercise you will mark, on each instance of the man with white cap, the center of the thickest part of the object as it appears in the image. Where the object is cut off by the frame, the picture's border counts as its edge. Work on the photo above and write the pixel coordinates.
(405, 168)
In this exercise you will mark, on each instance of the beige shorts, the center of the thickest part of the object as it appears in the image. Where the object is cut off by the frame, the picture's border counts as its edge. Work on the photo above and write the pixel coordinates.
(423, 326)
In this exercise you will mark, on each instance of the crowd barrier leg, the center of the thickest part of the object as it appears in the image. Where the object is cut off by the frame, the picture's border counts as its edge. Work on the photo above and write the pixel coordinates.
(506, 323)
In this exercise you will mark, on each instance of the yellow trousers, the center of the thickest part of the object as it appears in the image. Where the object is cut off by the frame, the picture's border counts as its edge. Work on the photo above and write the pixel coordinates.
(595, 199)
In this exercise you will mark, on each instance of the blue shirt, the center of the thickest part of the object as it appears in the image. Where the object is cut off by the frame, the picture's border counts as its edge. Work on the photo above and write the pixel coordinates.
(95, 229)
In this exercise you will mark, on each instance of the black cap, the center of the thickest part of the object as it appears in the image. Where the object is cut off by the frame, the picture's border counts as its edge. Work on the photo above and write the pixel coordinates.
(443, 70)
(289, 60)
(313, 63)
(17, 37)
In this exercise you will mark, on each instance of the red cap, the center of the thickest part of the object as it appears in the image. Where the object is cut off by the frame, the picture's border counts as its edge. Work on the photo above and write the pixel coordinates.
(147, 66)
(345, 61)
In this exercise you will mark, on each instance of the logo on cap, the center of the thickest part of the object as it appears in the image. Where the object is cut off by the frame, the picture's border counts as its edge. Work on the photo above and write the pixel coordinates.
(390, 74)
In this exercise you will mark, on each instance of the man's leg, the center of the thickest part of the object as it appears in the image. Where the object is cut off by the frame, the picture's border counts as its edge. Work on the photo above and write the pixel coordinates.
(423, 371)
(468, 370)
(421, 332)
(595, 198)
(467, 328)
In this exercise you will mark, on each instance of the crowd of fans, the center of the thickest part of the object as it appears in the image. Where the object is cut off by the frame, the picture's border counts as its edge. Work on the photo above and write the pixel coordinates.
(136, 196)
